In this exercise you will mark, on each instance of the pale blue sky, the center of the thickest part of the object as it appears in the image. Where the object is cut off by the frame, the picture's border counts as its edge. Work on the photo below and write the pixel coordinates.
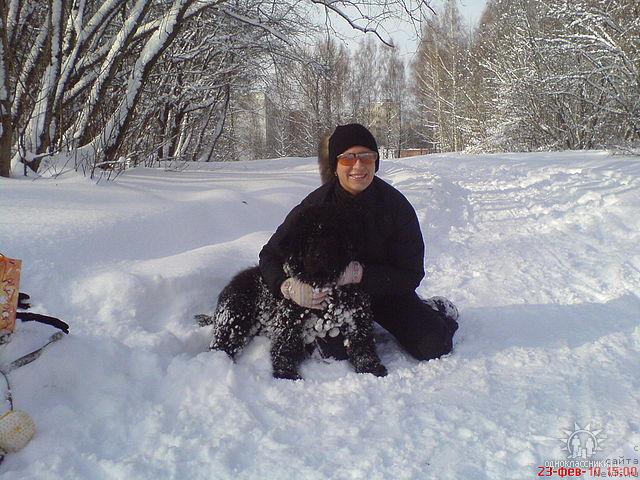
(403, 34)
(469, 9)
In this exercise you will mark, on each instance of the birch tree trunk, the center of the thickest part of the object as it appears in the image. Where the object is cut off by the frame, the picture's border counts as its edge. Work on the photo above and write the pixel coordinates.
(108, 69)
(106, 143)
(6, 127)
(39, 133)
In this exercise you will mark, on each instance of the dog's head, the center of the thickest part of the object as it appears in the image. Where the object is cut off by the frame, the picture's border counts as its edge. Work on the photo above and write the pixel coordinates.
(321, 242)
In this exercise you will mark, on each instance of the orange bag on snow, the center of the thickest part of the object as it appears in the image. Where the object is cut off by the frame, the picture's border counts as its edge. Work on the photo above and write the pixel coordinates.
(9, 290)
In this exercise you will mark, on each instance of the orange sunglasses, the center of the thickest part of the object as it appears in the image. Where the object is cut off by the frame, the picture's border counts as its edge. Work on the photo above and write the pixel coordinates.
(350, 159)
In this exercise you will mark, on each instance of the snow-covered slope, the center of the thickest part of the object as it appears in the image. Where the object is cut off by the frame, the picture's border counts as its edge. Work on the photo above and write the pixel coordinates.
(541, 252)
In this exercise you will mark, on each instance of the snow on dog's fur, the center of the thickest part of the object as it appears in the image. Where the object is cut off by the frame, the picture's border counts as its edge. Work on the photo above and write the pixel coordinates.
(323, 240)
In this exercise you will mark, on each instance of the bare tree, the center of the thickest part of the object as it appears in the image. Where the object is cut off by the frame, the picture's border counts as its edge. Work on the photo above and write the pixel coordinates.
(390, 121)
(559, 74)
(6, 125)
(308, 98)
(441, 74)
(280, 104)
(602, 84)
(75, 73)
(363, 90)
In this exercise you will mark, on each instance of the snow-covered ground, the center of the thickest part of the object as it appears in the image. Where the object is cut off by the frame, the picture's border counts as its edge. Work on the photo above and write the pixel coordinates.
(541, 252)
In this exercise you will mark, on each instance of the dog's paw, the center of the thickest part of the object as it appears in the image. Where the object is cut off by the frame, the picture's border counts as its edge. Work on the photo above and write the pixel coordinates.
(203, 320)
(216, 347)
(286, 374)
(377, 369)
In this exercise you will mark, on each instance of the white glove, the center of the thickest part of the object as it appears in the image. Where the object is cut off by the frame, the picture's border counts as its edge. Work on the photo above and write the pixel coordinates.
(352, 274)
(303, 294)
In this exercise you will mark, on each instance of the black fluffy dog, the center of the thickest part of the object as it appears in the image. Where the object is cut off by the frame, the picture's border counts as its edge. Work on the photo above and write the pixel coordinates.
(325, 239)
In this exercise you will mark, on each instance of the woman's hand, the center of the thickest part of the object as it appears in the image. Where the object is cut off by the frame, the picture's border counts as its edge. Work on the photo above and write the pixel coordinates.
(303, 294)
(352, 274)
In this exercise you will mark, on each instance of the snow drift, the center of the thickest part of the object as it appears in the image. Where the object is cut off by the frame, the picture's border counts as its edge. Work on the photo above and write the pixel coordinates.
(539, 251)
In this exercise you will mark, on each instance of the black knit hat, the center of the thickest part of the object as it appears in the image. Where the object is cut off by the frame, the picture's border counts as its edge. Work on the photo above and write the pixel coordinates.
(346, 136)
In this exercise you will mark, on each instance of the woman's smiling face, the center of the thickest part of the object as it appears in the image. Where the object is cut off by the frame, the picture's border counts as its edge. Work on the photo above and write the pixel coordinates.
(356, 178)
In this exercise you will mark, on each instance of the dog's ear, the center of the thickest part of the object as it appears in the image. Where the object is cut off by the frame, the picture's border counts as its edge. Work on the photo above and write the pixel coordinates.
(308, 223)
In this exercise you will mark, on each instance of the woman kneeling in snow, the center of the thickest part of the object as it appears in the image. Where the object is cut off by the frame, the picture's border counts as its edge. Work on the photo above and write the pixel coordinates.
(392, 262)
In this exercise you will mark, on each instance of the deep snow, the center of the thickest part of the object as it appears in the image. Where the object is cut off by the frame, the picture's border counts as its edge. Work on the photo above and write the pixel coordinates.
(539, 251)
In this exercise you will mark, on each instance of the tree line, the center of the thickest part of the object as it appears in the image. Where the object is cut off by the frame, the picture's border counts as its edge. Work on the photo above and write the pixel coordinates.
(534, 75)
(97, 82)
(302, 101)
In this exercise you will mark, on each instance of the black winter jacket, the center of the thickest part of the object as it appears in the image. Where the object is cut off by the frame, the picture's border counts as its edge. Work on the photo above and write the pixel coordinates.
(394, 249)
